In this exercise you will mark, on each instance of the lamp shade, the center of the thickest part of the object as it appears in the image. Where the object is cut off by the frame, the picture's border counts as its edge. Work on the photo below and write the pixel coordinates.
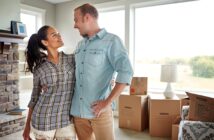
(169, 73)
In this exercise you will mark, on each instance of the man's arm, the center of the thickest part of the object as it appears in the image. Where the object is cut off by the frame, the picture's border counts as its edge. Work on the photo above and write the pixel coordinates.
(120, 62)
(100, 106)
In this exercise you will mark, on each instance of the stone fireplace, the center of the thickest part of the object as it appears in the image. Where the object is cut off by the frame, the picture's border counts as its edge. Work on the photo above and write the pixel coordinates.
(9, 84)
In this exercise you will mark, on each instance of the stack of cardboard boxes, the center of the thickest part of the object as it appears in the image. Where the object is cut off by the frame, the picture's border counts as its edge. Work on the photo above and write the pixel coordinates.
(162, 113)
(133, 108)
(138, 111)
(201, 107)
(175, 125)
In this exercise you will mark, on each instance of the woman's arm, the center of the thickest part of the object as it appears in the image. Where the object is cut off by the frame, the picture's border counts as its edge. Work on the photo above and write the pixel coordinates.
(26, 133)
(34, 98)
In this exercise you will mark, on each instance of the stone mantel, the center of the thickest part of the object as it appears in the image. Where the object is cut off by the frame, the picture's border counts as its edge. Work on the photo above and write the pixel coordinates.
(11, 38)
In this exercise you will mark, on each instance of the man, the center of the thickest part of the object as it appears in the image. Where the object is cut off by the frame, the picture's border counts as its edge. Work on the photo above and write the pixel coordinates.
(98, 56)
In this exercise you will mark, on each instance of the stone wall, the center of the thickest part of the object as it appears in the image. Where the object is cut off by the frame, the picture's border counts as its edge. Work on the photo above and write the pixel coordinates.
(9, 93)
(9, 89)
(11, 124)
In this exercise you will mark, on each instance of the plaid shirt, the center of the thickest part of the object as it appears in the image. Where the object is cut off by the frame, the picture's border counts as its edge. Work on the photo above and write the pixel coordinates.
(51, 106)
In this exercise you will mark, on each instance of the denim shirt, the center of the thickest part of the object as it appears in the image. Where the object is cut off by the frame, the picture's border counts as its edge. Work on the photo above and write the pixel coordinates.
(97, 59)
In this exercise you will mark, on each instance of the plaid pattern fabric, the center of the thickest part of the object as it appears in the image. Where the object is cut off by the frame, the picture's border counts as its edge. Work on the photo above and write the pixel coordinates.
(51, 105)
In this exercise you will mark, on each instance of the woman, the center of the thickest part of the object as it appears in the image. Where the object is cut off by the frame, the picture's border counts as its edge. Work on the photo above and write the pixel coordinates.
(53, 86)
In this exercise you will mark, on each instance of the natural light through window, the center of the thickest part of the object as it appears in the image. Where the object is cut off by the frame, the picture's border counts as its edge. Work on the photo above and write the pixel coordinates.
(30, 22)
(116, 26)
(181, 34)
(33, 18)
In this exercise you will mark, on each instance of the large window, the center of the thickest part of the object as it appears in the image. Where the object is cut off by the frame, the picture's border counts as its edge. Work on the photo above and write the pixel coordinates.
(181, 34)
(30, 22)
(116, 26)
(33, 18)
(113, 22)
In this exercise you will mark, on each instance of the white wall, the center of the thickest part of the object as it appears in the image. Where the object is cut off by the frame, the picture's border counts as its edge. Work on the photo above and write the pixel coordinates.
(9, 11)
(65, 23)
(50, 17)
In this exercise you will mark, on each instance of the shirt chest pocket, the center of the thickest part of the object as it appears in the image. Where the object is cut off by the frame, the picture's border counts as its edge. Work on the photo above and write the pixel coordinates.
(94, 57)
(50, 79)
(48, 84)
(68, 72)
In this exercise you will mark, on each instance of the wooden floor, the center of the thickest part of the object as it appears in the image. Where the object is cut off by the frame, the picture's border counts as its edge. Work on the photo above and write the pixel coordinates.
(120, 134)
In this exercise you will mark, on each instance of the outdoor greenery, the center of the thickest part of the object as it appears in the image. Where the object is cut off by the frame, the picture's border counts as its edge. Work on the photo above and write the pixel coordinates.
(168, 60)
(177, 61)
(202, 66)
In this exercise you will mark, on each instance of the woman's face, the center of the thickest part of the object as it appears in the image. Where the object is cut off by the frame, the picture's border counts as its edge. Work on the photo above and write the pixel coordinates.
(54, 39)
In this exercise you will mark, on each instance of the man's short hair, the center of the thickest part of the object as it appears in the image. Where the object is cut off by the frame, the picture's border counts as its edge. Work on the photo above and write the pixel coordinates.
(88, 9)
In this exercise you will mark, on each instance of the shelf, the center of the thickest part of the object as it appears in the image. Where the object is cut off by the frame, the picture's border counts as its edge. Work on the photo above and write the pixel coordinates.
(22, 47)
(26, 76)
(22, 62)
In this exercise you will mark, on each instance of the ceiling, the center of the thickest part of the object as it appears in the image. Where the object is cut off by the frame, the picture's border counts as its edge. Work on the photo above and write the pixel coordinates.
(57, 1)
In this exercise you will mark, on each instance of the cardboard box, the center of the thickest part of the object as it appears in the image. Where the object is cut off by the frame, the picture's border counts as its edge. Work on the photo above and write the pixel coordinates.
(201, 107)
(162, 113)
(184, 101)
(133, 112)
(175, 130)
(138, 86)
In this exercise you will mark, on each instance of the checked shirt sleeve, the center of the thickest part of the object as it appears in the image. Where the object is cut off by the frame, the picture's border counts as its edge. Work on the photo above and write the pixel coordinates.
(36, 90)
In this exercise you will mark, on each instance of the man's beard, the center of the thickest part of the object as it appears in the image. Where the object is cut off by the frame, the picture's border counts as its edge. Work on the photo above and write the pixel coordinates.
(85, 35)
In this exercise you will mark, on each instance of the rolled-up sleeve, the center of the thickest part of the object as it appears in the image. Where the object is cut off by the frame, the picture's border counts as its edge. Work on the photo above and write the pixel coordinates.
(120, 61)
(36, 90)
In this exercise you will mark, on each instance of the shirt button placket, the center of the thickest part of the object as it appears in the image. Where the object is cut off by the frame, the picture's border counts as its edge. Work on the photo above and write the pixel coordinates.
(81, 86)
(81, 109)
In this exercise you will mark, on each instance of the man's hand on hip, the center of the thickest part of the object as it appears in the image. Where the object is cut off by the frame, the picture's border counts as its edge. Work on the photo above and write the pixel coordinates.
(99, 106)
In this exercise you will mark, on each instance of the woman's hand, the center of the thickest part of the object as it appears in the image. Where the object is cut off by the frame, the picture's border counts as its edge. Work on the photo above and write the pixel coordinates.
(26, 133)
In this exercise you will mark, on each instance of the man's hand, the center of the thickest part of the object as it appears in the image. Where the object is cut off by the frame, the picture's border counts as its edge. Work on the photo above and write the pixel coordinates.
(99, 106)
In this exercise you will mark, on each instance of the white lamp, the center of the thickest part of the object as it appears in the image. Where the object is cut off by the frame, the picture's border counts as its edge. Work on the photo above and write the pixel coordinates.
(169, 75)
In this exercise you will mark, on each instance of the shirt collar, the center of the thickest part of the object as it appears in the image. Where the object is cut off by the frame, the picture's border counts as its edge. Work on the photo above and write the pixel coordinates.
(99, 34)
(60, 58)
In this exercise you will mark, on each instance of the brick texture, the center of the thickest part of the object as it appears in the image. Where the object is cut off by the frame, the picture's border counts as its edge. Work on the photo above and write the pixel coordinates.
(12, 124)
(9, 90)
(8, 76)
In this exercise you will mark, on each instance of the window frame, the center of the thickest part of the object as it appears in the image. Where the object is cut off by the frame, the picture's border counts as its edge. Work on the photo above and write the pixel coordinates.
(149, 4)
(37, 12)
(40, 20)
(129, 7)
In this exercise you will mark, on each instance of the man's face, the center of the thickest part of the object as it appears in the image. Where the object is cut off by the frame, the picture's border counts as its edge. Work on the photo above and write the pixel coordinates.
(80, 22)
